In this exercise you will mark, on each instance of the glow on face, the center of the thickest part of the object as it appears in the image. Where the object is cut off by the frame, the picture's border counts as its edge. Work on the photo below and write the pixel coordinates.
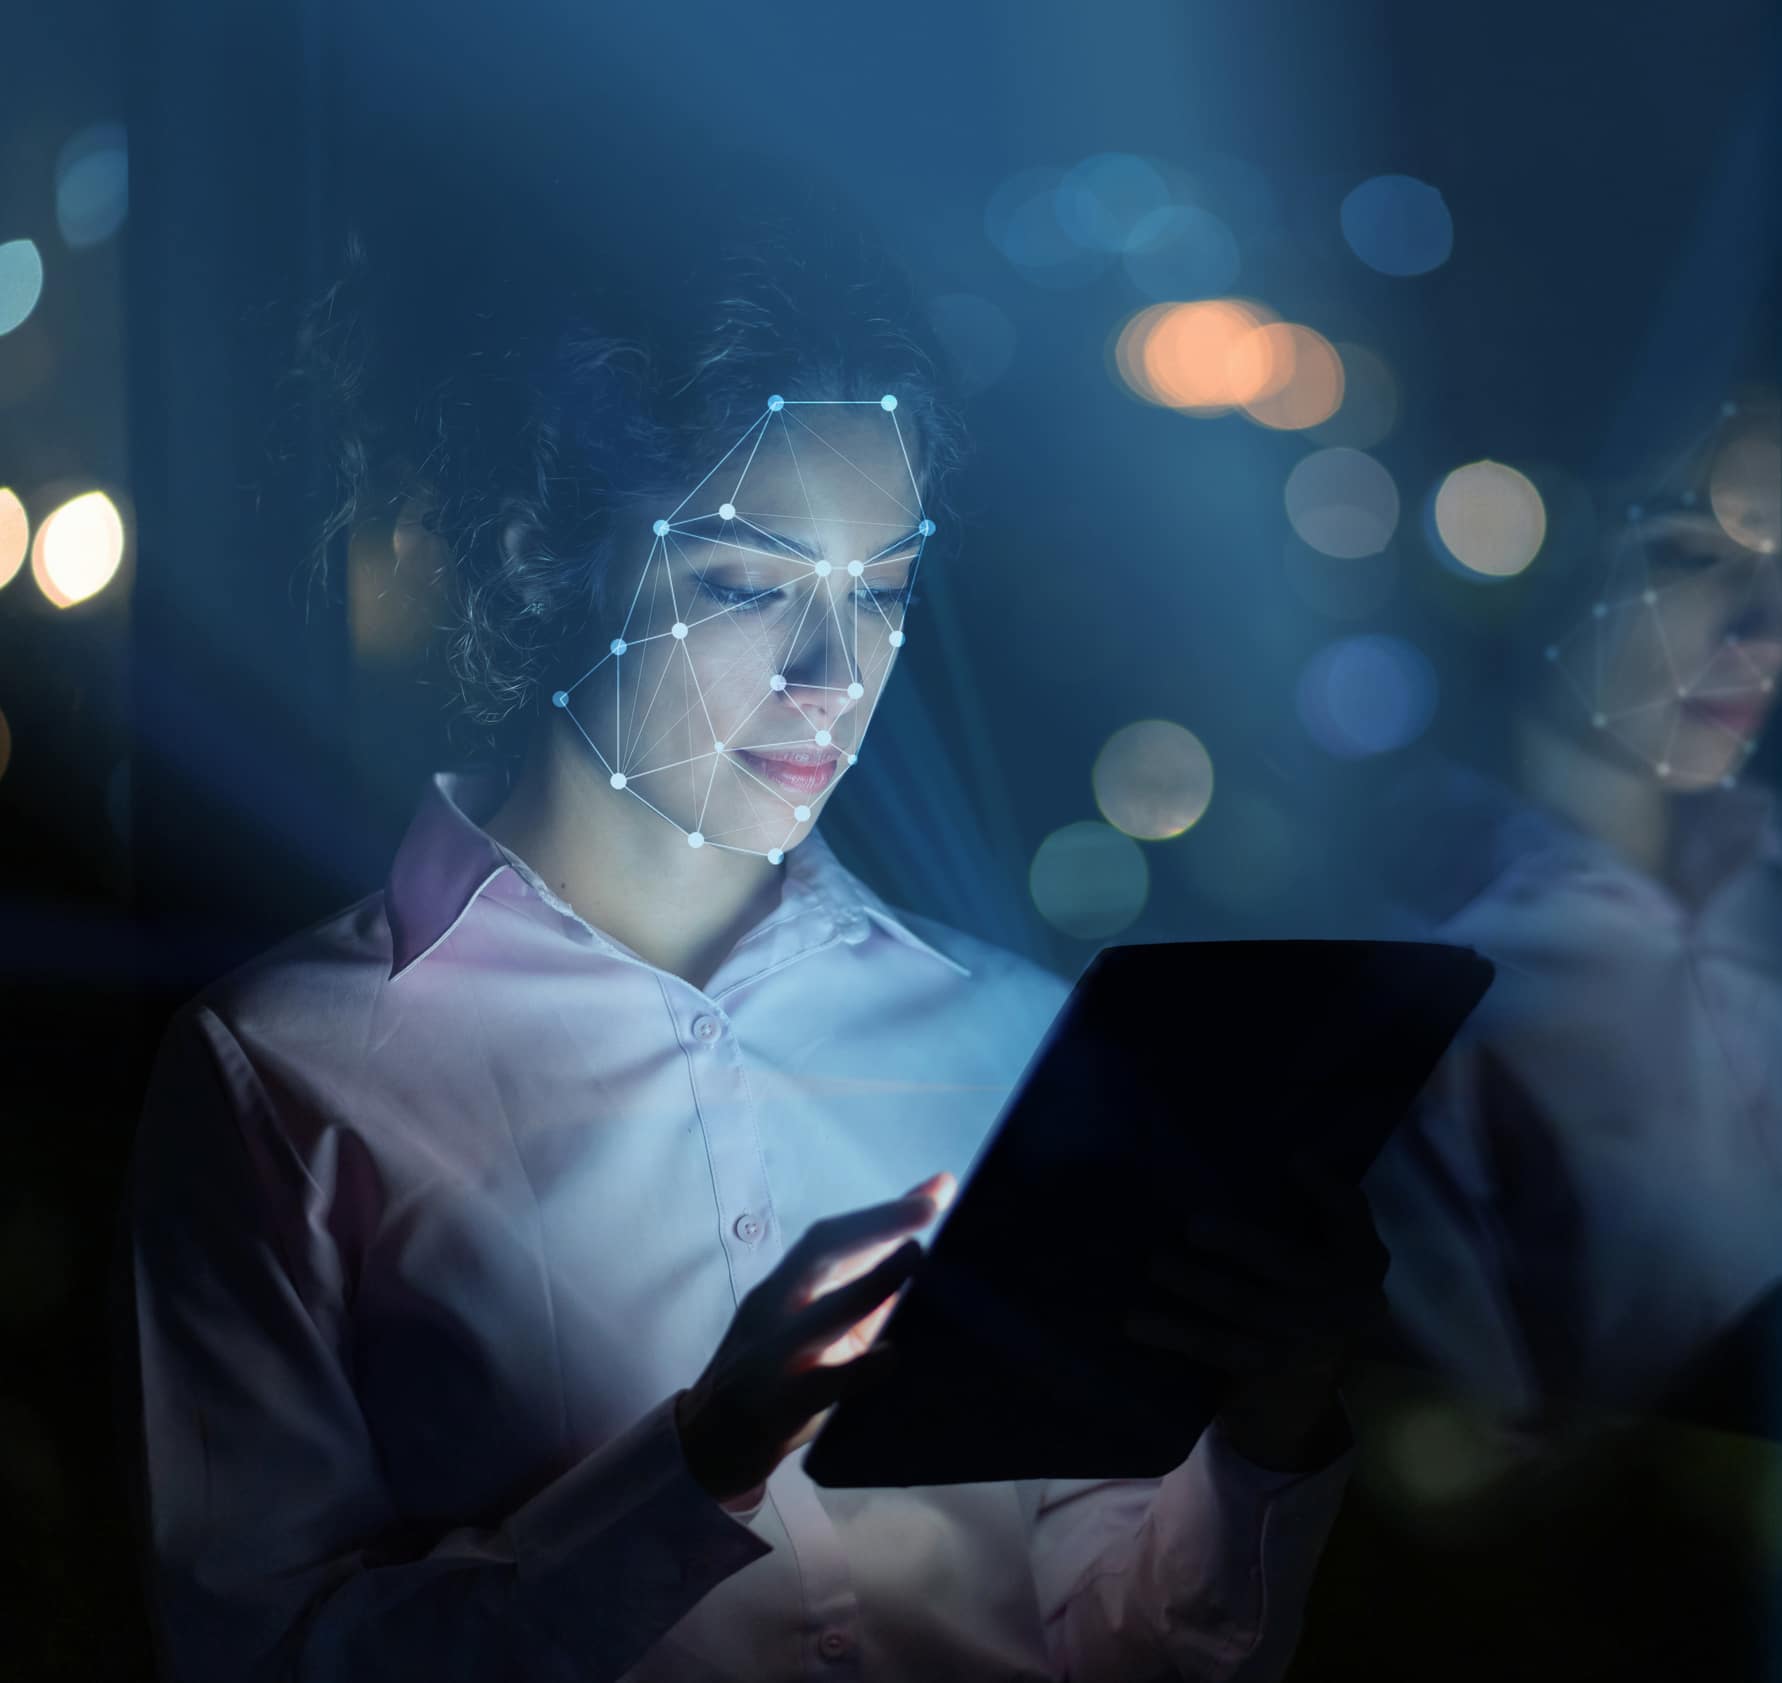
(760, 627)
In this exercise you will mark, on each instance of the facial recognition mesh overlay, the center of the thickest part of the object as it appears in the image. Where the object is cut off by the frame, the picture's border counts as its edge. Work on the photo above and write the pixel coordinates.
(762, 626)
(1679, 656)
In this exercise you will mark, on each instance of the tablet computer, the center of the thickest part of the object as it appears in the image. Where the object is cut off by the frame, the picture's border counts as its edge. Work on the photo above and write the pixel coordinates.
(1177, 1077)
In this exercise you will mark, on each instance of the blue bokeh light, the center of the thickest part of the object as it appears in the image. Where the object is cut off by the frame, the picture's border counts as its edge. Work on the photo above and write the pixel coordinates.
(1182, 251)
(21, 282)
(92, 185)
(1366, 695)
(1103, 200)
(1021, 221)
(1398, 225)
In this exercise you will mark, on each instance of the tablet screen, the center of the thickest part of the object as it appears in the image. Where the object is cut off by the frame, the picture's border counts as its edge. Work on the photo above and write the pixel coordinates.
(1177, 1077)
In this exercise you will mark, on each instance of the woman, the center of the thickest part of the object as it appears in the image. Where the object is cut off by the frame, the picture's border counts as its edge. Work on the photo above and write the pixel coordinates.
(1585, 1210)
(487, 1237)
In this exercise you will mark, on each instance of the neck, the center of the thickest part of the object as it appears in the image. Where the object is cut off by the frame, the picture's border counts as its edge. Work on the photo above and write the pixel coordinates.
(1619, 804)
(624, 868)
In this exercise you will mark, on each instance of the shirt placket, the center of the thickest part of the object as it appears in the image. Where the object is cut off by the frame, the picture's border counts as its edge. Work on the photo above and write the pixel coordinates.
(754, 1245)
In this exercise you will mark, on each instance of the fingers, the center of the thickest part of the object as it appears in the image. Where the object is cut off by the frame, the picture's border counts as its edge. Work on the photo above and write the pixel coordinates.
(826, 1242)
(820, 1388)
(824, 1318)
(939, 1189)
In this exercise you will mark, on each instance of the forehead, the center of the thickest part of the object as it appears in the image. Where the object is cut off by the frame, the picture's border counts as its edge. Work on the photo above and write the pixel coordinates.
(827, 464)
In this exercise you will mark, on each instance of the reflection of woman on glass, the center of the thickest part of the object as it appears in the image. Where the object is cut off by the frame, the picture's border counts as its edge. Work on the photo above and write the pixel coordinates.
(497, 1241)
(1587, 1208)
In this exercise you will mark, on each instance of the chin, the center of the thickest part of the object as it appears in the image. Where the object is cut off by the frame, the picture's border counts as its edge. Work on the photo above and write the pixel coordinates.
(1702, 758)
(744, 830)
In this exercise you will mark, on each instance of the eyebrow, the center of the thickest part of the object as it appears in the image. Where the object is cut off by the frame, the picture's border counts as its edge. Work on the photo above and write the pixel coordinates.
(887, 552)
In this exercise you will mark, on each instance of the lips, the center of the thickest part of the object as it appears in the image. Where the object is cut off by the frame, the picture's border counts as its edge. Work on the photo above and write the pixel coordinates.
(1741, 716)
(799, 771)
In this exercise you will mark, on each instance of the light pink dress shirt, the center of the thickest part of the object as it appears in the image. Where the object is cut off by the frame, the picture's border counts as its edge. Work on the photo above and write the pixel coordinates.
(437, 1206)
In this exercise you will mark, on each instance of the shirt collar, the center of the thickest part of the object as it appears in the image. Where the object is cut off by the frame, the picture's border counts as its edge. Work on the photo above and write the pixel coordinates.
(447, 859)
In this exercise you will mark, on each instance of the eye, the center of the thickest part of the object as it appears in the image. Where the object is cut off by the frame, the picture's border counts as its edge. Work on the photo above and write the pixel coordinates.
(748, 598)
(886, 599)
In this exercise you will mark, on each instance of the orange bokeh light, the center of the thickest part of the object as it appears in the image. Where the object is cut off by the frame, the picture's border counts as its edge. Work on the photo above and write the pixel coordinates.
(1303, 372)
(1201, 357)
(1214, 355)
(15, 535)
(1129, 350)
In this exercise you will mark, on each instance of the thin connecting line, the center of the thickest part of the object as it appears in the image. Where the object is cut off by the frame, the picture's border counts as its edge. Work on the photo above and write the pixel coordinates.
(761, 423)
(857, 467)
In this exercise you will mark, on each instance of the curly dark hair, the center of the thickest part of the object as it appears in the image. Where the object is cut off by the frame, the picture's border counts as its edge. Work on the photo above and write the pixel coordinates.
(516, 393)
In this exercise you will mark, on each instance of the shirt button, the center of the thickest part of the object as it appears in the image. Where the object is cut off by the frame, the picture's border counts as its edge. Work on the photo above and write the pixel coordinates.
(851, 927)
(707, 1029)
(748, 1228)
(832, 1644)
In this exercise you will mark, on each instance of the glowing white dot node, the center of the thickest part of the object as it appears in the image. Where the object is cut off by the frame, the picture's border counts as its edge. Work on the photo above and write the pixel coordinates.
(774, 856)
(887, 403)
(801, 813)
(1553, 651)
(1599, 720)
(1766, 684)
(1663, 768)
(777, 681)
(855, 691)
(726, 511)
(717, 747)
(1648, 597)
(852, 758)
(895, 639)
(560, 699)
(1634, 511)
(679, 628)
(824, 569)
(617, 780)
(618, 645)
(856, 568)
(926, 528)
(660, 528)
(695, 839)
(1600, 610)
(822, 739)
(776, 403)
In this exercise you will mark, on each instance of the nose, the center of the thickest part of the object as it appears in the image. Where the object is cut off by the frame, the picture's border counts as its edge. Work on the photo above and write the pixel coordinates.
(816, 705)
(821, 682)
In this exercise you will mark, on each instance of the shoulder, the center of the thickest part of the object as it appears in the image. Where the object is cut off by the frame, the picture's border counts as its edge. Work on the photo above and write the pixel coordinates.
(319, 987)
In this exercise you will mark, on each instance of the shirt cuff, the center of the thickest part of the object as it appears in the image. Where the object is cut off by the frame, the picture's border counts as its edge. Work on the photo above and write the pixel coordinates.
(1235, 1547)
(743, 1508)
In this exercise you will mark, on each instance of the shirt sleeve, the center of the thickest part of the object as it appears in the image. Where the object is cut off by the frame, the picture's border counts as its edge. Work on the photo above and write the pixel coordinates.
(274, 1547)
(1202, 1574)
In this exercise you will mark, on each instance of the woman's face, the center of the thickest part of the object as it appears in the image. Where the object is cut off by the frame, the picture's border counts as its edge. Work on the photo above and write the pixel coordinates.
(1681, 662)
(756, 628)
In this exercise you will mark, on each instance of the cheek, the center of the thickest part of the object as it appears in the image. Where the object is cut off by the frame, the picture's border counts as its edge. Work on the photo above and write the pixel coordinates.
(732, 656)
